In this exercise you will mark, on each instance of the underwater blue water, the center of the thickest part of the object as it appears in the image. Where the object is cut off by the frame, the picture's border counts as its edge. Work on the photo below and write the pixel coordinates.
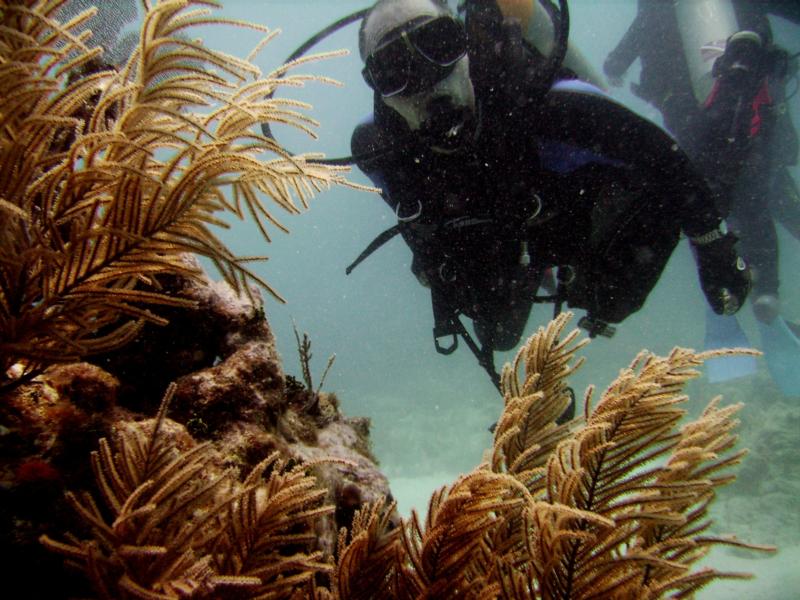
(430, 412)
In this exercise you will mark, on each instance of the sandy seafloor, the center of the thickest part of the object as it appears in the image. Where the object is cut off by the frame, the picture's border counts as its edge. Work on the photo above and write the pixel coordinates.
(430, 413)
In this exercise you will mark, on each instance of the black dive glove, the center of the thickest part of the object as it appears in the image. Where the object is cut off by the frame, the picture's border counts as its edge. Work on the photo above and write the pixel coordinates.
(724, 276)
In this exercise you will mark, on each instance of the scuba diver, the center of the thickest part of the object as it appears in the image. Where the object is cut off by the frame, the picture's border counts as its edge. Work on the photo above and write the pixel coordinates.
(500, 164)
(712, 70)
(747, 163)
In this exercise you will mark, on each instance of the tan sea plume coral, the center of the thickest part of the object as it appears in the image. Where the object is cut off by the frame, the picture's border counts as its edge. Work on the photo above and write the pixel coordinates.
(109, 173)
(183, 527)
(614, 504)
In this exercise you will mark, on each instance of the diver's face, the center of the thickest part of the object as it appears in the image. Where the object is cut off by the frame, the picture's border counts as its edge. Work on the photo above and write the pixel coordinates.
(415, 58)
(444, 110)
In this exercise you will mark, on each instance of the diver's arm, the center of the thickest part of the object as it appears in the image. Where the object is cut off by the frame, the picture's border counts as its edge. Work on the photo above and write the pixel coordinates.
(627, 49)
(369, 149)
(366, 147)
(594, 121)
(607, 128)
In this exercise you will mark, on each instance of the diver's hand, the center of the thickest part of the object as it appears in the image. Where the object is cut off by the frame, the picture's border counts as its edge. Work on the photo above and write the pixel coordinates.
(724, 276)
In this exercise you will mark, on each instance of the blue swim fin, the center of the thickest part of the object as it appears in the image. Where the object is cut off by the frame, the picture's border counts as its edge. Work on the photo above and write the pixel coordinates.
(781, 348)
(725, 332)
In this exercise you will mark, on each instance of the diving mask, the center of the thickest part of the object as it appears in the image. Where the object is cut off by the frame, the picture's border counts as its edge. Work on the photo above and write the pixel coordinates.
(416, 58)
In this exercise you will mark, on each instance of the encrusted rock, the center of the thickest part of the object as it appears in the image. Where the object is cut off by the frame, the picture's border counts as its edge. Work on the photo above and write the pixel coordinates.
(230, 389)
(350, 475)
(248, 384)
(55, 419)
(224, 330)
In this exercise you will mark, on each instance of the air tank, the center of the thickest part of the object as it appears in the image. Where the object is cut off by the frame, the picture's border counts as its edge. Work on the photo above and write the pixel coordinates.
(539, 31)
(705, 25)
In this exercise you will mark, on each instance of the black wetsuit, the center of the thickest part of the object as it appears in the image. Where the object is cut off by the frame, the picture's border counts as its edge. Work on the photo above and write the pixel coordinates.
(750, 176)
(590, 186)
